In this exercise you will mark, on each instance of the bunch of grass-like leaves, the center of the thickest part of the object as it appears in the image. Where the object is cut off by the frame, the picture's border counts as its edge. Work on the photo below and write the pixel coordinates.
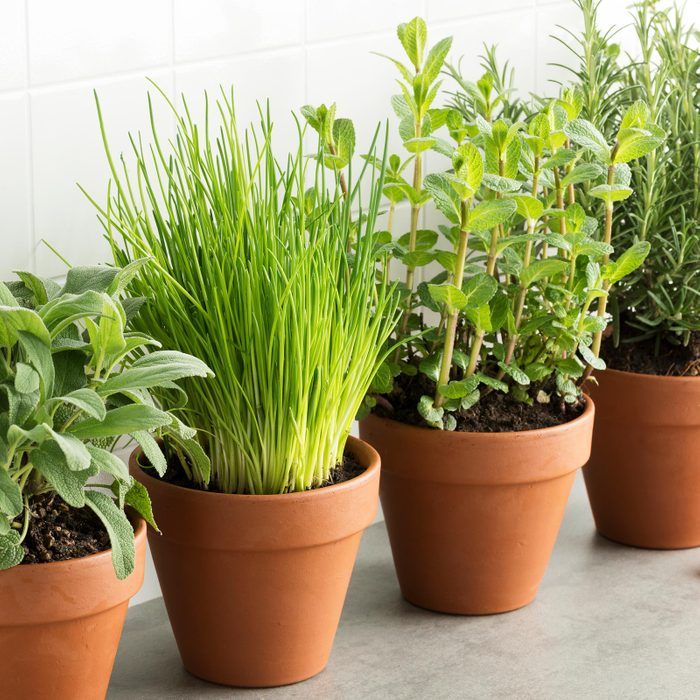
(522, 297)
(661, 301)
(270, 281)
(73, 380)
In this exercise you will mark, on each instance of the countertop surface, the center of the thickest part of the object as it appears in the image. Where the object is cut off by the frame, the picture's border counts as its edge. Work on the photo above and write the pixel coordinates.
(609, 622)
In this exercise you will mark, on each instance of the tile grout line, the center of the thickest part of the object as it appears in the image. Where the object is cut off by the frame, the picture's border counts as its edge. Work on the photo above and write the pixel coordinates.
(270, 50)
(536, 48)
(304, 43)
(173, 78)
(423, 213)
(172, 50)
(30, 148)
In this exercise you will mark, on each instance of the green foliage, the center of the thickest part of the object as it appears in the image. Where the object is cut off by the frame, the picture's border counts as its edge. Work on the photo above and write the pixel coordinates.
(659, 84)
(337, 136)
(269, 280)
(418, 121)
(71, 374)
(529, 263)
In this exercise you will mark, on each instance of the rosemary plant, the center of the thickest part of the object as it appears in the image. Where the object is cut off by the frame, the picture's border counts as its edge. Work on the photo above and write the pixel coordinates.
(270, 282)
(522, 297)
(660, 304)
(73, 380)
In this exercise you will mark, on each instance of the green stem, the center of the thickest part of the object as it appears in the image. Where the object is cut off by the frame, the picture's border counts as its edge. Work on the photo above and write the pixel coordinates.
(415, 212)
(452, 318)
(603, 301)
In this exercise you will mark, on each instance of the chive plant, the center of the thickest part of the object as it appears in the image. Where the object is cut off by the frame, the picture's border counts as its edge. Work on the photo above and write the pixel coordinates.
(528, 267)
(260, 269)
(659, 304)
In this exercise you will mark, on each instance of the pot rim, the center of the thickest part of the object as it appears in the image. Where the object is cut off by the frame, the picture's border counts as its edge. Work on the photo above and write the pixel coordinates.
(96, 558)
(494, 436)
(361, 450)
(651, 378)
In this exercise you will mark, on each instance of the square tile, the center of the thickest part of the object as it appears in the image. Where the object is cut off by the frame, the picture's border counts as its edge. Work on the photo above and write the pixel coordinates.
(221, 28)
(329, 20)
(68, 150)
(13, 45)
(75, 39)
(359, 82)
(514, 35)
(278, 76)
(455, 9)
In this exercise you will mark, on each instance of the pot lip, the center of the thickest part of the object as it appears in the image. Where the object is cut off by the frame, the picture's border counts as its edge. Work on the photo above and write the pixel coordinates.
(97, 559)
(650, 378)
(355, 445)
(551, 431)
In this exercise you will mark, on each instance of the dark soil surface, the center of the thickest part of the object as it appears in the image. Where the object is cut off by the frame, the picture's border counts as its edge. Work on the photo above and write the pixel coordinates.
(58, 532)
(495, 413)
(643, 358)
(348, 469)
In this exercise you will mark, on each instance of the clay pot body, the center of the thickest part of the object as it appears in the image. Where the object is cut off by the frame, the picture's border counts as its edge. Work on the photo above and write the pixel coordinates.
(254, 585)
(473, 517)
(643, 478)
(60, 625)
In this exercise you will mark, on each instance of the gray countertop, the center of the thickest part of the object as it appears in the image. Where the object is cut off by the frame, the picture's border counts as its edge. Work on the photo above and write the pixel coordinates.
(609, 622)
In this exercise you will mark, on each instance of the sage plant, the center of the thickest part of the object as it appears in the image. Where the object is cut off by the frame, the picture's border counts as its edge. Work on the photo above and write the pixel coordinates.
(73, 379)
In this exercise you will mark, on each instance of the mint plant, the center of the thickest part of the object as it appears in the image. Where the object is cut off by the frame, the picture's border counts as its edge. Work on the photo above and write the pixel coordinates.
(522, 299)
(73, 379)
(418, 121)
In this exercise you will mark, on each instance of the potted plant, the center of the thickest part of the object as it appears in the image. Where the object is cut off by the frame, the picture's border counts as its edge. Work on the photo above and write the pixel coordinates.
(480, 418)
(73, 380)
(642, 479)
(265, 269)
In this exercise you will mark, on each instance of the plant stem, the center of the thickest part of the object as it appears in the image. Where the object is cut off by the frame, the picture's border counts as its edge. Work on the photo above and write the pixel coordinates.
(341, 175)
(458, 278)
(520, 301)
(570, 192)
(493, 248)
(560, 200)
(410, 270)
(603, 301)
(415, 212)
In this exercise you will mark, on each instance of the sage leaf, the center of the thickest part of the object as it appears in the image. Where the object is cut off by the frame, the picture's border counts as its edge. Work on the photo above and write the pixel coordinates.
(121, 533)
(11, 551)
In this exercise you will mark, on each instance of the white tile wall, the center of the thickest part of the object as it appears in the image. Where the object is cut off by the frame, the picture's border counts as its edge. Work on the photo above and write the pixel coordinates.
(53, 54)
(13, 45)
(222, 28)
(84, 38)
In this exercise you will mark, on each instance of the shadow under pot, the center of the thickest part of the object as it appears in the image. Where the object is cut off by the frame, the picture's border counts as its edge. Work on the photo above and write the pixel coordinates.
(473, 517)
(60, 624)
(254, 585)
(643, 478)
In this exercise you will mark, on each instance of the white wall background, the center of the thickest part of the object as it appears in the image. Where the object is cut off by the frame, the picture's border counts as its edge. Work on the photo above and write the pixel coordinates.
(53, 53)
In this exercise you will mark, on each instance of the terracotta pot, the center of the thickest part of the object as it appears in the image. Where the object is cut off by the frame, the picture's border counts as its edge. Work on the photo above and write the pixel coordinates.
(643, 478)
(473, 517)
(60, 625)
(254, 585)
